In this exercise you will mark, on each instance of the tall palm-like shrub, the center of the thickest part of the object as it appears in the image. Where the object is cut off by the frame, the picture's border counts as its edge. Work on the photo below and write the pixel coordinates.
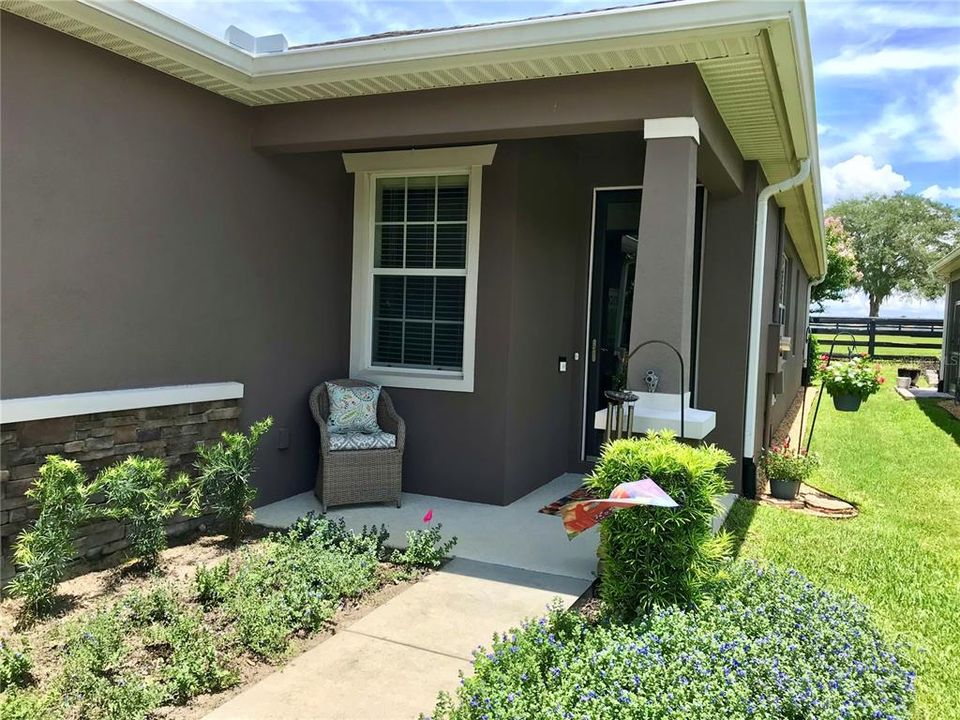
(225, 470)
(656, 556)
(139, 491)
(43, 551)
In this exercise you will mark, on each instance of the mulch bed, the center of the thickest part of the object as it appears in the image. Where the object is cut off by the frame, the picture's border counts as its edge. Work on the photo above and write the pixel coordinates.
(94, 590)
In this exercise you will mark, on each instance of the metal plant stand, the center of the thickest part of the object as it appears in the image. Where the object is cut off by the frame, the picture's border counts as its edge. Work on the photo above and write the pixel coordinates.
(616, 400)
(816, 410)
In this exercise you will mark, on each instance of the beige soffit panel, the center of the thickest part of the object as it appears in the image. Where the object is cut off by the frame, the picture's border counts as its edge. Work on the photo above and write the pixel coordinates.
(753, 56)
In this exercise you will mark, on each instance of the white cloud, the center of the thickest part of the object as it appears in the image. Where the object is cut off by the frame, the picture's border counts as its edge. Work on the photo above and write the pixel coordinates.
(937, 193)
(941, 141)
(881, 139)
(859, 176)
(854, 61)
(858, 15)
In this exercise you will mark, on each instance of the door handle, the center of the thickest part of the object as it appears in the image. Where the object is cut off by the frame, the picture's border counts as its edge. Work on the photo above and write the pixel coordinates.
(593, 350)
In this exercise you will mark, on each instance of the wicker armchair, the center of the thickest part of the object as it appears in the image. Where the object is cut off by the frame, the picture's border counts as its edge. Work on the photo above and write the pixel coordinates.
(358, 476)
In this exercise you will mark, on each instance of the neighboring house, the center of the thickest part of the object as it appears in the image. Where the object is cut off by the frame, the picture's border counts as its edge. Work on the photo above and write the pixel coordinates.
(948, 268)
(456, 214)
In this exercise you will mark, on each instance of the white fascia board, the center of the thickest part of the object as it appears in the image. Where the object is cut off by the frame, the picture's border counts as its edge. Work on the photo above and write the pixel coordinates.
(698, 16)
(56, 406)
(155, 30)
(422, 159)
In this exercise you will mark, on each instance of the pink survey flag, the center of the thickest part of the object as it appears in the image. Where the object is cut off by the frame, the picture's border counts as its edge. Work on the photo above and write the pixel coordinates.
(584, 514)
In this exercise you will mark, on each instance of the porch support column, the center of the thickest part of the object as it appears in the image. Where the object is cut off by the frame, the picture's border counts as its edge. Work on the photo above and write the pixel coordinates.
(663, 289)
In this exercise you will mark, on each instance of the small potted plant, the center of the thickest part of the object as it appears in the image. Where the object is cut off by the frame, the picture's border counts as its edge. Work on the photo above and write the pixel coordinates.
(785, 468)
(850, 382)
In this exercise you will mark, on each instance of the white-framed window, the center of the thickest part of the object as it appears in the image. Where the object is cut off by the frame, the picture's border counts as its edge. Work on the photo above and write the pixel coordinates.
(415, 259)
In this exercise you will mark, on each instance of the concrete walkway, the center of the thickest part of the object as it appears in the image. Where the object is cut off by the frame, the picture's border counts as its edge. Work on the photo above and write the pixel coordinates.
(392, 662)
(516, 535)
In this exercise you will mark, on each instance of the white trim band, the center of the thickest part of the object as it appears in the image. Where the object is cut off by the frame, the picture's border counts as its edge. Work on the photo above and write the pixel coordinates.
(671, 127)
(56, 406)
(434, 159)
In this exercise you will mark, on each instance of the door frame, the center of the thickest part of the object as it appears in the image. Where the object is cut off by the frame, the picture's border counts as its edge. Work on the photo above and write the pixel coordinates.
(582, 452)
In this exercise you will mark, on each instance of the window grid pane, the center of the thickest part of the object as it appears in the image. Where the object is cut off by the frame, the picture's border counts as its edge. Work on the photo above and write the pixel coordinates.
(418, 321)
(421, 222)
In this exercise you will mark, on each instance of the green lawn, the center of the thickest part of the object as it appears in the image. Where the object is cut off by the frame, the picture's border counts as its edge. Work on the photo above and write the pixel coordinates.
(900, 462)
(861, 340)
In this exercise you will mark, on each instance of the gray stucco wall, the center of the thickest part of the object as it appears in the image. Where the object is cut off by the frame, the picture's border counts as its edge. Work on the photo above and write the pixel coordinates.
(725, 315)
(144, 243)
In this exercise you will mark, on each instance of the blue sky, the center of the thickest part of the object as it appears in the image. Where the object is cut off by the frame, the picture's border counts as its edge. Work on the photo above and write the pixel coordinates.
(887, 76)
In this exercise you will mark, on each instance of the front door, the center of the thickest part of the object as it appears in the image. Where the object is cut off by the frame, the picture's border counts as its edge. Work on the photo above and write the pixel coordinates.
(615, 229)
(952, 375)
(616, 222)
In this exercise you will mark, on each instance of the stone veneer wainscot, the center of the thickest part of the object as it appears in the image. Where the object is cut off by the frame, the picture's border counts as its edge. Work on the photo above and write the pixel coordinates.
(97, 440)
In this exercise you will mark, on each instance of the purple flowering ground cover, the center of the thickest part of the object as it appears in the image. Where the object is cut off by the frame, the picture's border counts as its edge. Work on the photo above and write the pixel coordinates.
(767, 644)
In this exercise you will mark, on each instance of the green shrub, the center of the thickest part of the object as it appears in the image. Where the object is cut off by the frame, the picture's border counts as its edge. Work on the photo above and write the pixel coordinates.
(425, 548)
(15, 666)
(654, 556)
(210, 583)
(815, 357)
(17, 704)
(335, 533)
(769, 645)
(225, 470)
(95, 682)
(139, 492)
(159, 605)
(43, 551)
(293, 583)
(195, 665)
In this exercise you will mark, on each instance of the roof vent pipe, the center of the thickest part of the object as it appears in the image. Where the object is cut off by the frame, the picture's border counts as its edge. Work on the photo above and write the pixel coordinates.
(255, 45)
(756, 305)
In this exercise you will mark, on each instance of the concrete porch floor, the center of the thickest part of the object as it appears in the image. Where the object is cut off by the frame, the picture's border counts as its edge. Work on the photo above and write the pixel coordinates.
(516, 535)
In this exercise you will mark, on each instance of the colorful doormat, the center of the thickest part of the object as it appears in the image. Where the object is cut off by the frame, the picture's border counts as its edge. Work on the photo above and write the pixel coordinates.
(584, 514)
(581, 493)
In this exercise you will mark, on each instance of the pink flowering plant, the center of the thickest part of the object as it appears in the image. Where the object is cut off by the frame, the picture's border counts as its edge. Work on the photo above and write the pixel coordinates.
(855, 377)
(782, 462)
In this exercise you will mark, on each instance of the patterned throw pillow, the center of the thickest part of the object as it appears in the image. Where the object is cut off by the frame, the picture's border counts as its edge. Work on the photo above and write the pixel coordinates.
(353, 409)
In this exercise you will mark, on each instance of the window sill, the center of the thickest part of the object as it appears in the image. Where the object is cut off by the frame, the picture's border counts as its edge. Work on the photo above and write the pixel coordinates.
(416, 379)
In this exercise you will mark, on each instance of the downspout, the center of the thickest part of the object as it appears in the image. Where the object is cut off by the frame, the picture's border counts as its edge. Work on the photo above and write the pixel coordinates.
(756, 312)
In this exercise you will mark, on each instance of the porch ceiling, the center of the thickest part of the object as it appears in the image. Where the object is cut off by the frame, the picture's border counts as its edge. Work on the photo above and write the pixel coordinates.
(754, 59)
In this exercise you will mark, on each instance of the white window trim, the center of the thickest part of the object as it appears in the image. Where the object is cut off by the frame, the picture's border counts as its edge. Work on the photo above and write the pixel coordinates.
(367, 167)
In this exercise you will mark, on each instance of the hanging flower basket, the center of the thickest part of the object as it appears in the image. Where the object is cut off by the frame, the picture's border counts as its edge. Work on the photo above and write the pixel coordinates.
(850, 382)
(847, 403)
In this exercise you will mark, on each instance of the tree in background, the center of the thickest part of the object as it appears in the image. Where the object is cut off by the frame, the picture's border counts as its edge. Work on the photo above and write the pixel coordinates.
(895, 239)
(842, 273)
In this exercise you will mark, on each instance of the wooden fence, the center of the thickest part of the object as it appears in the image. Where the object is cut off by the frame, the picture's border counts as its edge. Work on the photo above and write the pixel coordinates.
(898, 337)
